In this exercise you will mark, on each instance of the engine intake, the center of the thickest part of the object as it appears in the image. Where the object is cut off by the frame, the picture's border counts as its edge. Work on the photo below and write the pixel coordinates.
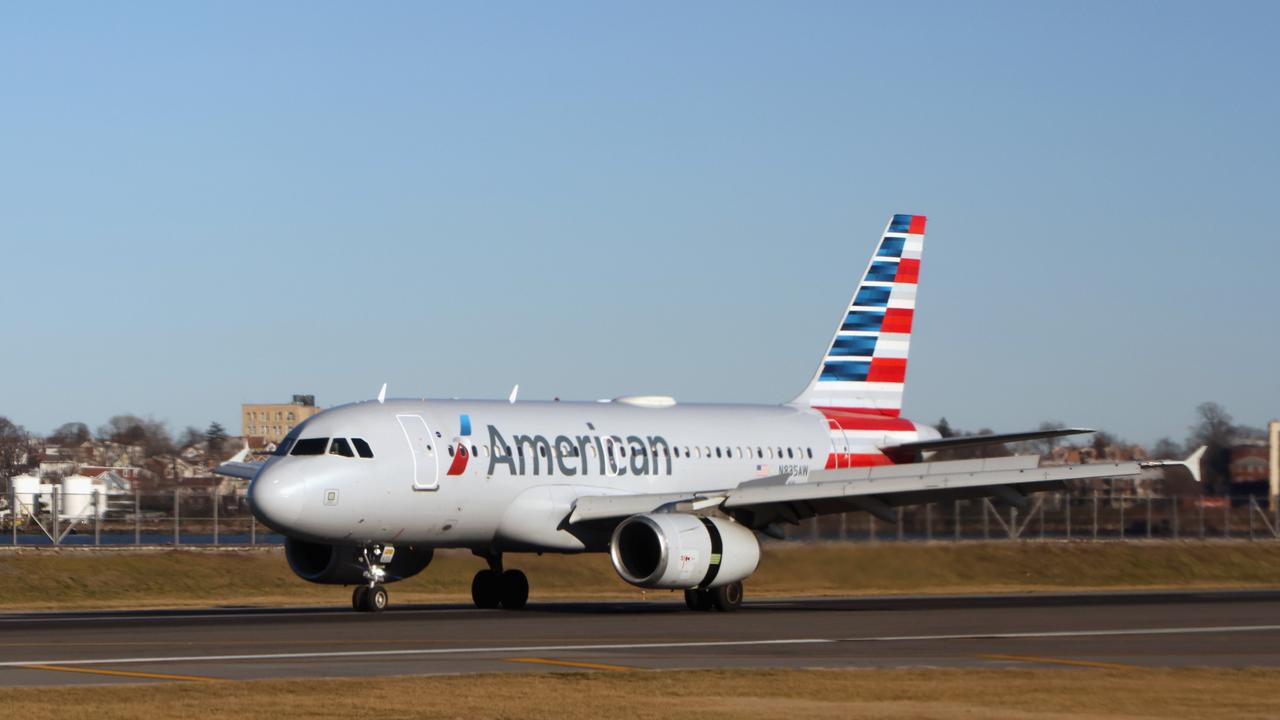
(341, 565)
(678, 550)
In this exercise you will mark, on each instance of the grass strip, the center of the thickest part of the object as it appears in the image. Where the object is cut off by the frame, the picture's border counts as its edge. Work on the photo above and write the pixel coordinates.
(77, 579)
(890, 693)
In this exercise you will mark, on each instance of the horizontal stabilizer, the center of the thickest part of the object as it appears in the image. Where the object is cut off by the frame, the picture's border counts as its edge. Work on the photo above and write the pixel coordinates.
(982, 440)
(242, 470)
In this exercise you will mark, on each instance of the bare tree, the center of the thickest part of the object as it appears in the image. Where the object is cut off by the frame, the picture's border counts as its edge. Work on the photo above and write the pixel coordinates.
(1049, 444)
(1166, 449)
(150, 434)
(15, 448)
(1217, 431)
(70, 434)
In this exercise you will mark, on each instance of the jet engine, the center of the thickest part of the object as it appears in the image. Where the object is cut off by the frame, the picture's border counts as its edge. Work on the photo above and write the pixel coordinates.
(342, 565)
(678, 550)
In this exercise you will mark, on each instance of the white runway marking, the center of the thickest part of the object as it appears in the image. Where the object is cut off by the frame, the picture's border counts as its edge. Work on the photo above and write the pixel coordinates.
(641, 646)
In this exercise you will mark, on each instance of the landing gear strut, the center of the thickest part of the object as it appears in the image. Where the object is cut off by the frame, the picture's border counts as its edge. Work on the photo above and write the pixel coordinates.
(495, 587)
(372, 597)
(725, 598)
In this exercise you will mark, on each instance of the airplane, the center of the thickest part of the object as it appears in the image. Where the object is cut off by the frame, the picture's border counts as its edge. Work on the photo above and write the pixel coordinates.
(677, 493)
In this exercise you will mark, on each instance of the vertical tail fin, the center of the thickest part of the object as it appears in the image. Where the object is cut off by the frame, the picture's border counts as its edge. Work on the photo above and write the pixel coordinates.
(865, 366)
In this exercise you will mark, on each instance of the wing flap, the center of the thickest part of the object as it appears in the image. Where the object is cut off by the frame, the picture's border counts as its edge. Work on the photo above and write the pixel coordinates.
(984, 440)
(923, 482)
(861, 488)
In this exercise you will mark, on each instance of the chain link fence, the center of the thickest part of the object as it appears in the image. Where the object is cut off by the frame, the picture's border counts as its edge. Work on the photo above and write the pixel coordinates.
(179, 517)
(1053, 516)
(194, 517)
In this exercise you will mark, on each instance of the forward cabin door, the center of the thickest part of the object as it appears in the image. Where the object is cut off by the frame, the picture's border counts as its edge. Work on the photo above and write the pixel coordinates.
(425, 467)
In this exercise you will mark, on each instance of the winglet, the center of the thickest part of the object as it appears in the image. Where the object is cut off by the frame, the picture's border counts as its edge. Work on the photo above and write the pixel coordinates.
(514, 392)
(1190, 466)
(382, 394)
(1192, 462)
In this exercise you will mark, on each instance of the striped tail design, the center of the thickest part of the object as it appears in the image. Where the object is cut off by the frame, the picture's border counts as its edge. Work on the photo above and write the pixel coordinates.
(865, 366)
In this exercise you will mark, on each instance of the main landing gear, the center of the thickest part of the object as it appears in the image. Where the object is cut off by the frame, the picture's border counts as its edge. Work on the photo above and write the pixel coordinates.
(725, 598)
(495, 587)
(372, 597)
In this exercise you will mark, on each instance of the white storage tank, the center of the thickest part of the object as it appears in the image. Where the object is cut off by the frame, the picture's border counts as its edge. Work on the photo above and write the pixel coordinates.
(25, 490)
(76, 500)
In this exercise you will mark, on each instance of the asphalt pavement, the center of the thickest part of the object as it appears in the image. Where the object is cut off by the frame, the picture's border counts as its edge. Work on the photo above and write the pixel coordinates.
(1225, 629)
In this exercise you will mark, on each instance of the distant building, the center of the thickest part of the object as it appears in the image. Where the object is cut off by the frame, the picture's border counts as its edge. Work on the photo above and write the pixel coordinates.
(1249, 462)
(1273, 431)
(271, 422)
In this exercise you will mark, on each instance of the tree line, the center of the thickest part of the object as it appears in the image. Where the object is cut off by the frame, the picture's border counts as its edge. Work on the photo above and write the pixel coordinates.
(21, 450)
(1214, 428)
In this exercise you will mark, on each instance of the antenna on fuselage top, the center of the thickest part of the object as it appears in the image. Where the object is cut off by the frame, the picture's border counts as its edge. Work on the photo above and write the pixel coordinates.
(382, 394)
(514, 391)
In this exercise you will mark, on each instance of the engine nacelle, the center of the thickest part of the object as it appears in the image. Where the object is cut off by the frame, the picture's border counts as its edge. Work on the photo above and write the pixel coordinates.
(341, 564)
(678, 550)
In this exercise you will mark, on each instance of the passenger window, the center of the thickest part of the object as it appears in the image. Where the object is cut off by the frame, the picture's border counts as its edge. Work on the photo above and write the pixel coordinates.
(450, 451)
(717, 452)
(809, 452)
(362, 447)
(789, 455)
(310, 446)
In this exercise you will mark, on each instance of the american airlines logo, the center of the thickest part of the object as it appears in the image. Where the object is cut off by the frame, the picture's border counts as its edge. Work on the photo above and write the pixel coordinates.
(579, 455)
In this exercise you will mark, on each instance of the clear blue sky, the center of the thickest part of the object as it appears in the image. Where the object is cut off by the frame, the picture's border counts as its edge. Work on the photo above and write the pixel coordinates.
(202, 205)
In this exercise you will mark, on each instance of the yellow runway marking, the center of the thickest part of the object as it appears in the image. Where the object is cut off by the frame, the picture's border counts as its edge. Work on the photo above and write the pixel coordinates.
(570, 663)
(123, 673)
(1061, 661)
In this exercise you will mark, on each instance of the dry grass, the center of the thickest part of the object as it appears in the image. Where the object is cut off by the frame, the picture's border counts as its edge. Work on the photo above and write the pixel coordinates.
(772, 694)
(45, 578)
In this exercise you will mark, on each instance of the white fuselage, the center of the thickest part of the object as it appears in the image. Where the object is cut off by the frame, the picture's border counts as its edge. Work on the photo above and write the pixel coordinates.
(493, 474)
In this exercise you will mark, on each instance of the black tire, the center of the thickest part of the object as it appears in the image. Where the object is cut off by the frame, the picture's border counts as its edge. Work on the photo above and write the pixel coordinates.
(358, 598)
(486, 589)
(727, 598)
(376, 599)
(515, 590)
(699, 600)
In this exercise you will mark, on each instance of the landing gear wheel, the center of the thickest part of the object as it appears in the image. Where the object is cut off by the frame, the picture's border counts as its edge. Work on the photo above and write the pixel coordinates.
(515, 589)
(697, 600)
(375, 599)
(369, 599)
(727, 598)
(486, 589)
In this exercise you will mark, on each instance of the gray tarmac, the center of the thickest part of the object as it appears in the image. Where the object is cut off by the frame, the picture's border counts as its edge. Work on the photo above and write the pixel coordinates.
(1224, 629)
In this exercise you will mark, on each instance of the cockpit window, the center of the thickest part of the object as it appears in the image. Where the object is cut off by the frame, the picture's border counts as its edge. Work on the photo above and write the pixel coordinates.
(310, 446)
(341, 447)
(362, 447)
(283, 448)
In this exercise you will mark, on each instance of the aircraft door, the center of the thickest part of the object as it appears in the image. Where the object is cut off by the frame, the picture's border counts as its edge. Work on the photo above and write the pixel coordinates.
(425, 467)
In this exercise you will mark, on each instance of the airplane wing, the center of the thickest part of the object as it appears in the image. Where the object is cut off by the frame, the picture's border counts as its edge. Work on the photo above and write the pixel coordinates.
(762, 502)
(242, 470)
(981, 440)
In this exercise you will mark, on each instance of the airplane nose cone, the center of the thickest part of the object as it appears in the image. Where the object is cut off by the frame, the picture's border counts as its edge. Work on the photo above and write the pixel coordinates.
(275, 497)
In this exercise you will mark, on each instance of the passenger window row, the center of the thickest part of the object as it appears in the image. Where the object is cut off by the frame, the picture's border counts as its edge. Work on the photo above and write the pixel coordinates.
(757, 453)
(338, 446)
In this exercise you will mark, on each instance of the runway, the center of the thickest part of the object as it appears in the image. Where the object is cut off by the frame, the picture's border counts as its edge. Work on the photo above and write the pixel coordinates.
(1231, 629)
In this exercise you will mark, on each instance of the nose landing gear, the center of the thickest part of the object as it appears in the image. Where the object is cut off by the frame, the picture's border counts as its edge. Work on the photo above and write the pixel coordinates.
(495, 587)
(372, 597)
